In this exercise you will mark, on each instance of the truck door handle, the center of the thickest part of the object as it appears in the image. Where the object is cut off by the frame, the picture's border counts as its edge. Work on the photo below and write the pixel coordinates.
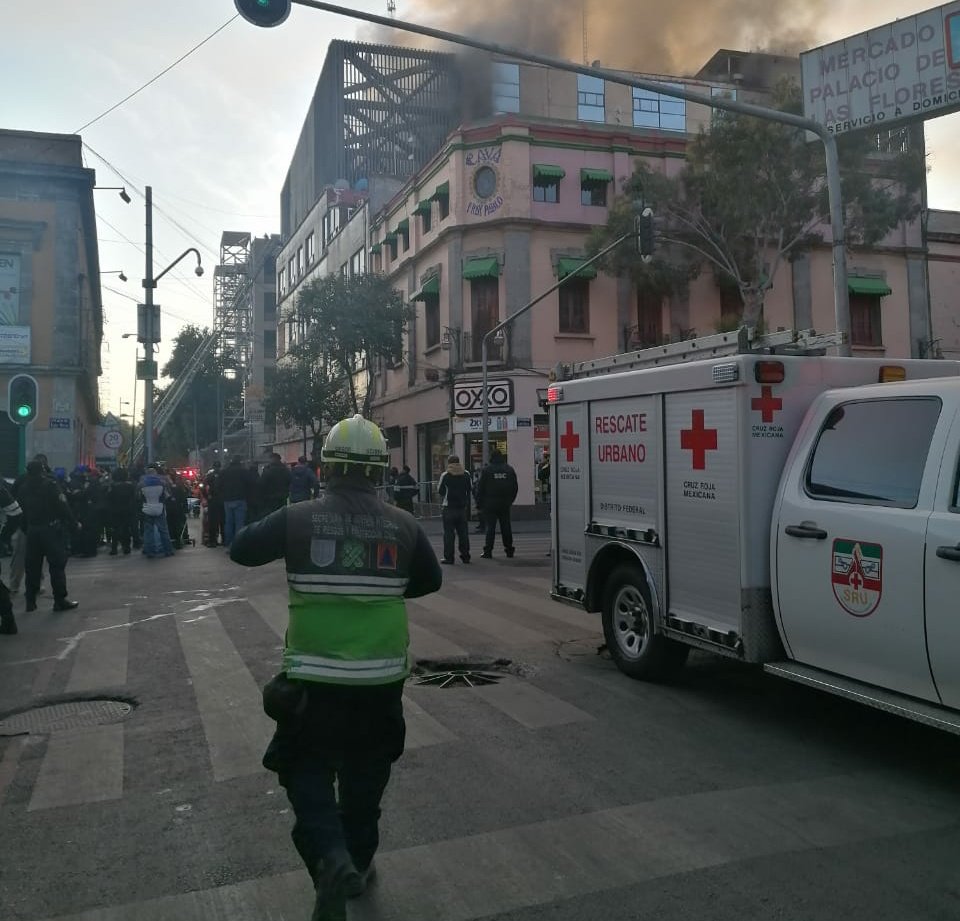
(804, 531)
(949, 553)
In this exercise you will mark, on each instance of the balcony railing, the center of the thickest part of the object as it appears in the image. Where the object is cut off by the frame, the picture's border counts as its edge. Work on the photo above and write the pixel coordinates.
(473, 347)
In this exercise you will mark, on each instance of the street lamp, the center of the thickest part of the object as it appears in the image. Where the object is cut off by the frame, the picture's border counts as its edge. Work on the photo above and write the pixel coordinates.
(116, 188)
(149, 327)
(118, 272)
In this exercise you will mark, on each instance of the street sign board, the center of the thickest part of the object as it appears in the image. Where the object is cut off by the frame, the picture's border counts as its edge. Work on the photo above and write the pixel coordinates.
(146, 370)
(468, 397)
(904, 71)
(112, 439)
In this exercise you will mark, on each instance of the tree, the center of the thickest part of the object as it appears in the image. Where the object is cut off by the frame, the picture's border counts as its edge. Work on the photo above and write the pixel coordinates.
(196, 419)
(752, 194)
(350, 324)
(302, 394)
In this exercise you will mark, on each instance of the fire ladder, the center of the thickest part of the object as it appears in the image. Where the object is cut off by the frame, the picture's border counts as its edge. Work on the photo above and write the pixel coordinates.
(737, 342)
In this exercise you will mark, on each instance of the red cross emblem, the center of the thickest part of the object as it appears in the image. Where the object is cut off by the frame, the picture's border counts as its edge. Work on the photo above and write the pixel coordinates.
(698, 439)
(569, 440)
(855, 580)
(766, 403)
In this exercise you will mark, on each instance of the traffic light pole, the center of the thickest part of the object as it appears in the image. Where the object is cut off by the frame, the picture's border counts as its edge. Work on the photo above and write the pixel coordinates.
(485, 396)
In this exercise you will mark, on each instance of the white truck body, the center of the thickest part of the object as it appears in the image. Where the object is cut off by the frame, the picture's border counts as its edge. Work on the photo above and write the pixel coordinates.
(690, 473)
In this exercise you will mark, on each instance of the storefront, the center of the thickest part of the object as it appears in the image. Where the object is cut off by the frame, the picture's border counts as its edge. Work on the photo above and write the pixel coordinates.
(433, 448)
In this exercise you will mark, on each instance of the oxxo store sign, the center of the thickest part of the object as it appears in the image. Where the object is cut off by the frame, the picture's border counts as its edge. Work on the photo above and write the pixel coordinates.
(468, 397)
(903, 71)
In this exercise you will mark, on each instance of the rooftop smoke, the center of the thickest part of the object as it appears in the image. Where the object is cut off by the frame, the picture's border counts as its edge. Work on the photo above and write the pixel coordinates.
(677, 37)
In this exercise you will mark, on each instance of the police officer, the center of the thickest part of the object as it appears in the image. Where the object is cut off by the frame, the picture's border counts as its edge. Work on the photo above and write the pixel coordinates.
(11, 509)
(47, 515)
(495, 494)
(351, 559)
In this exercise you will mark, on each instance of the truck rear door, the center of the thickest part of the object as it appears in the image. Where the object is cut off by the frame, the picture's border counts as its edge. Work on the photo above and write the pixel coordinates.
(850, 539)
(570, 444)
(942, 576)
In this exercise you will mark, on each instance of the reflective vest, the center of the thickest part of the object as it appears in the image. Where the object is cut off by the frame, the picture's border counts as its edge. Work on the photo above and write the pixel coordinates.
(348, 558)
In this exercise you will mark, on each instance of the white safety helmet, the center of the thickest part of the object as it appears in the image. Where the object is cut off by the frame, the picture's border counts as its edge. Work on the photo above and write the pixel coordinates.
(355, 441)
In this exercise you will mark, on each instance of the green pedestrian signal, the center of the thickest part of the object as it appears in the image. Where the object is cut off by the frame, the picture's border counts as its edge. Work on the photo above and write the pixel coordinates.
(266, 13)
(22, 399)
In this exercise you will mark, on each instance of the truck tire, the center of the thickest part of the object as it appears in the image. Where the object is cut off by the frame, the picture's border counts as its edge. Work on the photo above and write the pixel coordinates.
(628, 629)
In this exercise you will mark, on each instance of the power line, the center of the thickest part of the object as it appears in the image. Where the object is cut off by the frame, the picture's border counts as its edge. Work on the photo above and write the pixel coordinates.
(166, 70)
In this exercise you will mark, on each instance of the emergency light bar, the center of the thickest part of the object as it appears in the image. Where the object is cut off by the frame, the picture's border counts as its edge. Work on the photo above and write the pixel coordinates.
(890, 373)
(554, 394)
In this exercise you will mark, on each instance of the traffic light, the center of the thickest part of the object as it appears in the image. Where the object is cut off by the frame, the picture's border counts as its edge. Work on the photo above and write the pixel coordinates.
(22, 399)
(264, 13)
(645, 234)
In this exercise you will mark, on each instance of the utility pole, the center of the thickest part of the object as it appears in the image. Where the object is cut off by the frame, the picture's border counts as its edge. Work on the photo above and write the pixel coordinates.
(148, 284)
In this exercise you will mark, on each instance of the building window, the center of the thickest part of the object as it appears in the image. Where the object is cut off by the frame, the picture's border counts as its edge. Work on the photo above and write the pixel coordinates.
(484, 310)
(721, 92)
(290, 275)
(426, 217)
(358, 262)
(431, 310)
(731, 305)
(269, 304)
(575, 306)
(506, 86)
(546, 183)
(649, 320)
(269, 269)
(311, 247)
(403, 230)
(652, 110)
(590, 104)
(865, 328)
(593, 187)
(299, 261)
(269, 343)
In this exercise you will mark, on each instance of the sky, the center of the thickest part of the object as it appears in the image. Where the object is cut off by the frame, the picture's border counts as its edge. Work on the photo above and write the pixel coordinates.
(214, 136)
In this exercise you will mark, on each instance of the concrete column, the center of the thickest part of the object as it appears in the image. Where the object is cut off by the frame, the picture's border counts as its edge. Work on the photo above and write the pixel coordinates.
(918, 299)
(516, 272)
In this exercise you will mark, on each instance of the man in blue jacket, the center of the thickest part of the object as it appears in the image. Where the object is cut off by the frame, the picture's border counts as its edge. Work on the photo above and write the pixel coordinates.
(303, 482)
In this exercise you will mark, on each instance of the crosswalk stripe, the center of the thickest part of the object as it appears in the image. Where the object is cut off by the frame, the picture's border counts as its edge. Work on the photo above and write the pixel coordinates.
(423, 729)
(500, 628)
(540, 604)
(80, 766)
(530, 706)
(425, 644)
(101, 660)
(273, 609)
(228, 698)
(510, 869)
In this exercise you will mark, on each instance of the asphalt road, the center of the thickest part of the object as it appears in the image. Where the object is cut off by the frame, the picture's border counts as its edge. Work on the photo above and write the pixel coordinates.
(563, 792)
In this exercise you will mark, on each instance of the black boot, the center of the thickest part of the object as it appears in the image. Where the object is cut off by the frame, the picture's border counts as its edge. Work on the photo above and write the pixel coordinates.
(62, 604)
(7, 623)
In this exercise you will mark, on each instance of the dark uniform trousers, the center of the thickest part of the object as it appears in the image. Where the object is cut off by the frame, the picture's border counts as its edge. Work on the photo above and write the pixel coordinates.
(47, 540)
(493, 515)
(348, 734)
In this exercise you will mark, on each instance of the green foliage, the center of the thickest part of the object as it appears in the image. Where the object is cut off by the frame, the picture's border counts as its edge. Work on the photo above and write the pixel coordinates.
(350, 324)
(302, 394)
(752, 194)
(195, 421)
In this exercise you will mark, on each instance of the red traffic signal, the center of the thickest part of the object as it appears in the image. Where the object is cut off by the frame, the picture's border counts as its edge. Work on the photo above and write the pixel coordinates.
(266, 13)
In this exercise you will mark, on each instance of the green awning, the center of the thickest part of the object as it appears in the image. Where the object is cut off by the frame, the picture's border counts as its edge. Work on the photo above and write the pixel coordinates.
(430, 288)
(376, 248)
(390, 237)
(404, 226)
(545, 171)
(443, 191)
(488, 267)
(862, 284)
(568, 266)
(596, 175)
(424, 207)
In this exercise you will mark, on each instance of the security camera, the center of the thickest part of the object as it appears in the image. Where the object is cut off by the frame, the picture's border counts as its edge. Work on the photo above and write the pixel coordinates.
(199, 270)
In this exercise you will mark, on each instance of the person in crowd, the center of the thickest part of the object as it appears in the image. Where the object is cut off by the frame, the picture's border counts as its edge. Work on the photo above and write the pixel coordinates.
(176, 508)
(254, 492)
(481, 524)
(454, 489)
(214, 499)
(303, 481)
(47, 515)
(390, 487)
(235, 491)
(10, 508)
(91, 514)
(543, 477)
(495, 495)
(338, 703)
(405, 489)
(274, 484)
(156, 534)
(121, 510)
(19, 540)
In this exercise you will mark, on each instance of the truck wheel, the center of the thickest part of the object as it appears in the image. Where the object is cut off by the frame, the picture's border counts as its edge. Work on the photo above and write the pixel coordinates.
(629, 632)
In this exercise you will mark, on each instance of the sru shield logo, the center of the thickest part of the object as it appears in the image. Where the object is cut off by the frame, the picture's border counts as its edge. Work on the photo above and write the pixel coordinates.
(857, 576)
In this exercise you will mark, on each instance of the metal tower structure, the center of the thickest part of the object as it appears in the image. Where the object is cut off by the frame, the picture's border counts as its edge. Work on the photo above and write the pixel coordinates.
(233, 317)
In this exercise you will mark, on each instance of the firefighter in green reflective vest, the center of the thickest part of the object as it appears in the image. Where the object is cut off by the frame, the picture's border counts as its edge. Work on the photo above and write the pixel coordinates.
(351, 560)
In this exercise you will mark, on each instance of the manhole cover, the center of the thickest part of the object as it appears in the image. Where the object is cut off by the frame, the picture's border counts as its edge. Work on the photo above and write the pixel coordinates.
(72, 714)
(459, 672)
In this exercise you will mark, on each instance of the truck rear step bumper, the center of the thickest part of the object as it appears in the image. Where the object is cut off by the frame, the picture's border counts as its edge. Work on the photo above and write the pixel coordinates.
(918, 710)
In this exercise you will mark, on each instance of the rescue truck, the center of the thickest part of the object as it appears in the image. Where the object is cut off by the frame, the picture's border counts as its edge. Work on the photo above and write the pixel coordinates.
(760, 499)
